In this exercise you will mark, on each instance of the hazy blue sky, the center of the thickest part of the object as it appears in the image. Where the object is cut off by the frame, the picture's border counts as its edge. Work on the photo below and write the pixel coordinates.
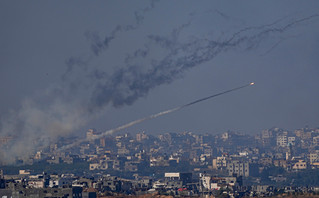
(64, 65)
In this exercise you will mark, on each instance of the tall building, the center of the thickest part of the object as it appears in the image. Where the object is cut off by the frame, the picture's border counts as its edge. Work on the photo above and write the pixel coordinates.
(282, 140)
(237, 167)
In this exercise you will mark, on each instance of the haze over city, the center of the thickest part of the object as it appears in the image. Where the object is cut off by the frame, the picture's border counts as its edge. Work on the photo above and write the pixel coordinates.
(67, 67)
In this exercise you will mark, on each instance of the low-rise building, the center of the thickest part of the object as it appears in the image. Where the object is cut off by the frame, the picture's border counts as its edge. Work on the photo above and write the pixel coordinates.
(299, 165)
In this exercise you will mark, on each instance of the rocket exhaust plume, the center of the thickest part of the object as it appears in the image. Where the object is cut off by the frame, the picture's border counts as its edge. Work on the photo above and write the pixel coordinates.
(87, 88)
(111, 131)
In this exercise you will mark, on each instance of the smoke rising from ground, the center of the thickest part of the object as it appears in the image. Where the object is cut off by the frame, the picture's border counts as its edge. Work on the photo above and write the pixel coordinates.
(86, 90)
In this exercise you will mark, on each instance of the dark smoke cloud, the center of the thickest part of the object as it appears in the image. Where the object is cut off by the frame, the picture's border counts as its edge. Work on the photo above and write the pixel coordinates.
(129, 83)
(86, 89)
(99, 45)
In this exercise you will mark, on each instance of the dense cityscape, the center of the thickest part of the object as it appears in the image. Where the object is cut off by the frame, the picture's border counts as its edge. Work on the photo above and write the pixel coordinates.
(112, 65)
(275, 162)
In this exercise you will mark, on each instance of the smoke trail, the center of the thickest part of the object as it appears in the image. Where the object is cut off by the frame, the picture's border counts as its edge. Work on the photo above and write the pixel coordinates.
(98, 45)
(87, 89)
(131, 82)
(130, 124)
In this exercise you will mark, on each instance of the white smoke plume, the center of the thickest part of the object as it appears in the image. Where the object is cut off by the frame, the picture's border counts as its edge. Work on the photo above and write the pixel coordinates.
(87, 90)
(162, 113)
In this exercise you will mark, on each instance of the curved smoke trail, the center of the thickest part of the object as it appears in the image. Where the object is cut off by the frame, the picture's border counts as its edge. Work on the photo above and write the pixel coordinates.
(87, 90)
(162, 113)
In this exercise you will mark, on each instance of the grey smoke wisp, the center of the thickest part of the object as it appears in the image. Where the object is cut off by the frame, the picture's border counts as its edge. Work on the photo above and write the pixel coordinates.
(86, 90)
(129, 83)
(162, 113)
(99, 45)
